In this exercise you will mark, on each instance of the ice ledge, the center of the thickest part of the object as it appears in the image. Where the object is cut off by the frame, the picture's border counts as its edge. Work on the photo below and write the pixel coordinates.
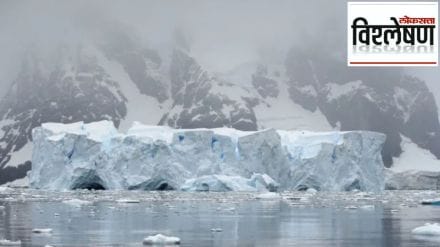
(412, 180)
(96, 155)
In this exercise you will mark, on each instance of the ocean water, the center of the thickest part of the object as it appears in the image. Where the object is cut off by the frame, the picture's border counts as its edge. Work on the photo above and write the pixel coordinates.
(294, 219)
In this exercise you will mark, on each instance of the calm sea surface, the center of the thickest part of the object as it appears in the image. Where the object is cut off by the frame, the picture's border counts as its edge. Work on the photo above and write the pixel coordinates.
(294, 219)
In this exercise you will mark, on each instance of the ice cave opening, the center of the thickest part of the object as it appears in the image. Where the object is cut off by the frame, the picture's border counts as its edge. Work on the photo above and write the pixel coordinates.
(88, 181)
(89, 186)
(153, 184)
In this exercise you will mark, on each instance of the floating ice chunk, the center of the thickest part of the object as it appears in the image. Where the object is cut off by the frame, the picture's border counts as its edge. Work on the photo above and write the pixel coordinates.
(428, 230)
(264, 182)
(431, 202)
(368, 207)
(160, 239)
(351, 207)
(311, 190)
(127, 200)
(42, 230)
(216, 230)
(5, 242)
(4, 189)
(269, 196)
(77, 202)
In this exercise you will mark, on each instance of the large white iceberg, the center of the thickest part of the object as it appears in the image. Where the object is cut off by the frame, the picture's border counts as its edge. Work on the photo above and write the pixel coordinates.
(97, 156)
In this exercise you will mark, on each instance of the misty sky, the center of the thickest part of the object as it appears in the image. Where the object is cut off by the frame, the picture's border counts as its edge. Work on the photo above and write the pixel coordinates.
(222, 34)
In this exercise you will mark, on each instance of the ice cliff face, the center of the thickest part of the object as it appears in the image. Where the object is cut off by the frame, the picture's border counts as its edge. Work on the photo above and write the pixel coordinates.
(97, 156)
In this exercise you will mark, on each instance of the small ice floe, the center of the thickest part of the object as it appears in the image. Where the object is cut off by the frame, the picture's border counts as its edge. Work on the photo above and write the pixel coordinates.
(367, 207)
(268, 196)
(431, 202)
(128, 201)
(428, 230)
(216, 230)
(351, 207)
(42, 230)
(311, 190)
(77, 202)
(294, 198)
(5, 189)
(160, 239)
(5, 242)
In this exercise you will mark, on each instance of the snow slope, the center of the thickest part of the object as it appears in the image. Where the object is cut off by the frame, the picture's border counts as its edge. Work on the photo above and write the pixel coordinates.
(415, 169)
(415, 158)
(282, 113)
(140, 107)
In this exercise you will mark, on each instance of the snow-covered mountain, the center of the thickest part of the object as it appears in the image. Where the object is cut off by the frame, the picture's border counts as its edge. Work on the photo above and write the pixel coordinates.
(378, 99)
(77, 88)
(121, 79)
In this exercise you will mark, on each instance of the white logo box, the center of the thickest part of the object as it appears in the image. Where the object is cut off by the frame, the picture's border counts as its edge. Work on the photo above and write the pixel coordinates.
(379, 13)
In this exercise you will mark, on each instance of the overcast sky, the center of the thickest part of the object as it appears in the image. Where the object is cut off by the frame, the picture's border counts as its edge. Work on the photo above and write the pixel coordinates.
(223, 34)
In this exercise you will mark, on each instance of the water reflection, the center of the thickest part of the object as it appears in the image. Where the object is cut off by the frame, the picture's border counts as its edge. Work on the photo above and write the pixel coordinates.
(244, 223)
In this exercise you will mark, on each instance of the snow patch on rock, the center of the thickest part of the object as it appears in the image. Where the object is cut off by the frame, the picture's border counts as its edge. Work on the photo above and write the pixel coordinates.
(20, 156)
(338, 90)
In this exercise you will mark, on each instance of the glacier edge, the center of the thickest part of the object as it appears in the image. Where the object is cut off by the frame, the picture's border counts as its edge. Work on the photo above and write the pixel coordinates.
(97, 156)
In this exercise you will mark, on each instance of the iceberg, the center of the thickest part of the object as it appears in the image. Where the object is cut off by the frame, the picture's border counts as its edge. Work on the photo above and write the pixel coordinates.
(97, 156)
(42, 230)
(435, 202)
(6, 242)
(428, 229)
(77, 202)
(269, 196)
(161, 240)
(125, 200)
